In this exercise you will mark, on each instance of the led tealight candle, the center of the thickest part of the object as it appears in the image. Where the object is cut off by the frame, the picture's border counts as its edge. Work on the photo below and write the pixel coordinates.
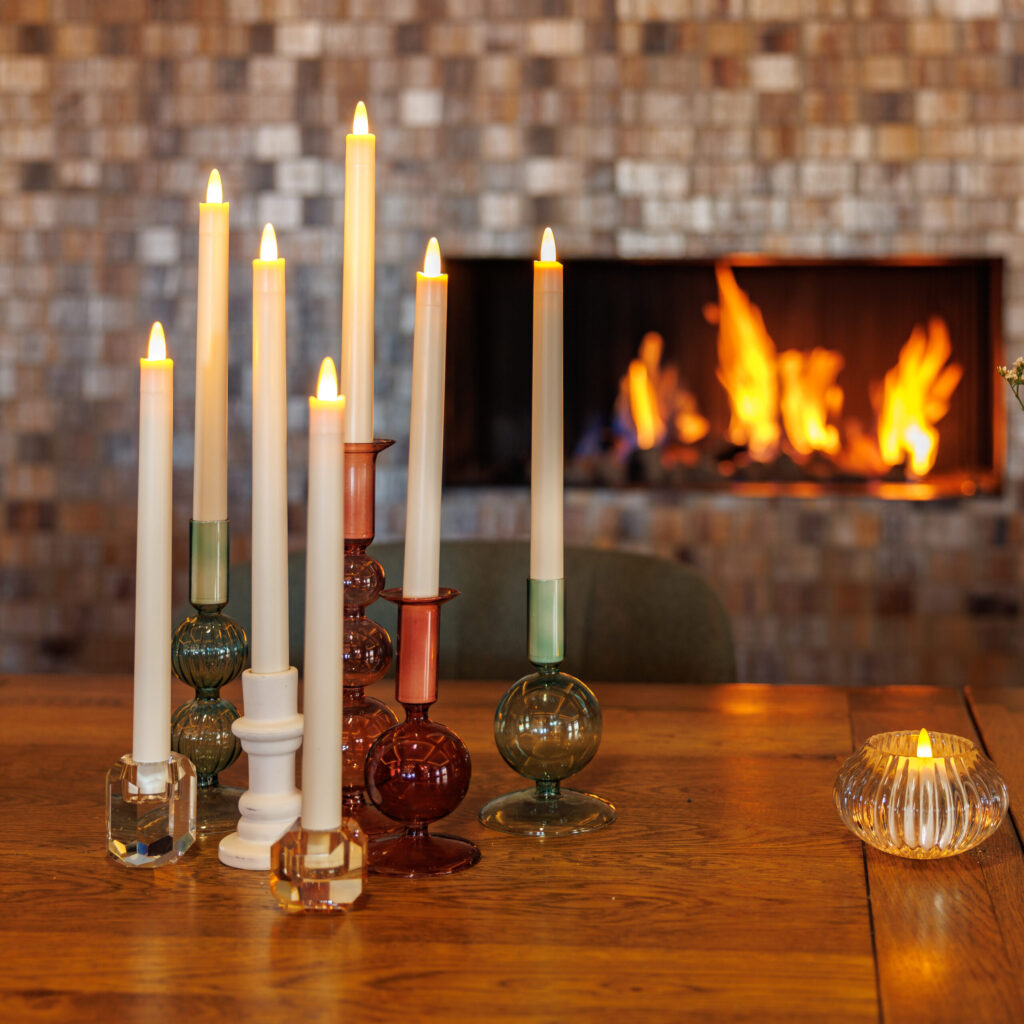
(151, 732)
(357, 280)
(546, 456)
(927, 783)
(325, 553)
(210, 475)
(426, 430)
(269, 639)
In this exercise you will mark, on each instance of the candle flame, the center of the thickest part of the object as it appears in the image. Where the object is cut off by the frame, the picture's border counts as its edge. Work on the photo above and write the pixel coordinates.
(360, 124)
(157, 342)
(924, 744)
(432, 259)
(214, 189)
(268, 244)
(547, 247)
(327, 382)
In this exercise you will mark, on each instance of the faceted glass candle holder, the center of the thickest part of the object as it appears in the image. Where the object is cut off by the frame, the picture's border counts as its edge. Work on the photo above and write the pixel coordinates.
(920, 807)
(151, 811)
(321, 871)
(548, 727)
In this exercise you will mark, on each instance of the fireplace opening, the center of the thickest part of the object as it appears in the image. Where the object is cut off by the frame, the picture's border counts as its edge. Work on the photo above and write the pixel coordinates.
(748, 373)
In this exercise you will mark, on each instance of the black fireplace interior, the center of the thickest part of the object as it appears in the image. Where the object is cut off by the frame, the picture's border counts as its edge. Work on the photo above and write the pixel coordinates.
(863, 310)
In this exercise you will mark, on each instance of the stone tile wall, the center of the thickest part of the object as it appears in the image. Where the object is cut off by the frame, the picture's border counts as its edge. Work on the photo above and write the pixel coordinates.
(634, 127)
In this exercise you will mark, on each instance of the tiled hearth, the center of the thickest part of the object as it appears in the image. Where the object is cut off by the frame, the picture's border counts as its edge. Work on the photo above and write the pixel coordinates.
(661, 128)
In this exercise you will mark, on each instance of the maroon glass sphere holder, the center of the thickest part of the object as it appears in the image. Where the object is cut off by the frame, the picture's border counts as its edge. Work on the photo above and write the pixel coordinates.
(419, 770)
(367, 646)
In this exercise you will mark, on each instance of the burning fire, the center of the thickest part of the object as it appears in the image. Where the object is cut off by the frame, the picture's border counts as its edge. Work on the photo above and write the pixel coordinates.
(791, 400)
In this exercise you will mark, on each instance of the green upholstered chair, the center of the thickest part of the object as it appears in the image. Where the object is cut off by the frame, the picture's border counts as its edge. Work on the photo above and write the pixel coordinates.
(628, 617)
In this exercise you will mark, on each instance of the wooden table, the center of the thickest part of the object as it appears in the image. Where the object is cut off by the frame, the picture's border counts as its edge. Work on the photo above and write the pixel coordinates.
(726, 890)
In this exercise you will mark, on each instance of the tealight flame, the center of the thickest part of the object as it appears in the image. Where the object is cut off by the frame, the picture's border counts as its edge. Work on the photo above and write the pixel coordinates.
(327, 382)
(268, 244)
(157, 342)
(214, 189)
(432, 259)
(547, 247)
(360, 123)
(924, 744)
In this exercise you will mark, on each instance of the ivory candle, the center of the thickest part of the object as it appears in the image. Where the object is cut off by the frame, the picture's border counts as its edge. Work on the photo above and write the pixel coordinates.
(210, 474)
(151, 725)
(426, 430)
(546, 513)
(269, 640)
(357, 279)
(325, 554)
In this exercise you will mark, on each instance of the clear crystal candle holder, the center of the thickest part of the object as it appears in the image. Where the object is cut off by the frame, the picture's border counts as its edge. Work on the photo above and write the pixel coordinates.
(920, 807)
(322, 871)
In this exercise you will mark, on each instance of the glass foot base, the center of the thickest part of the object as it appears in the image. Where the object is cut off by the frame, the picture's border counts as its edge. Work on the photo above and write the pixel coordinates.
(568, 813)
(419, 854)
(319, 870)
(217, 810)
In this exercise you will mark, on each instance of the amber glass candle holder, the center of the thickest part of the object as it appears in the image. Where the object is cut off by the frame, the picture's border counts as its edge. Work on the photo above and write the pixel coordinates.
(920, 807)
(208, 650)
(547, 727)
(367, 646)
(319, 870)
(418, 771)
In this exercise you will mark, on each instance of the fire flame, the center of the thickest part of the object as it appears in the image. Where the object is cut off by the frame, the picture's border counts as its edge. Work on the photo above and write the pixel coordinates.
(746, 358)
(432, 259)
(914, 396)
(268, 244)
(214, 189)
(810, 396)
(360, 122)
(924, 744)
(157, 348)
(327, 381)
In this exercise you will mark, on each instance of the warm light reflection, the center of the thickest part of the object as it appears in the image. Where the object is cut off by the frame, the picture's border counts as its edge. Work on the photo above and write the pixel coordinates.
(360, 123)
(214, 189)
(157, 342)
(924, 744)
(327, 381)
(547, 247)
(268, 244)
(432, 259)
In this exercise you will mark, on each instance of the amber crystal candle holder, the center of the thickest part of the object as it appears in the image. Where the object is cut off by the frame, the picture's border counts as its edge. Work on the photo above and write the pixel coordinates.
(418, 771)
(367, 646)
(547, 727)
(208, 650)
(920, 795)
(319, 870)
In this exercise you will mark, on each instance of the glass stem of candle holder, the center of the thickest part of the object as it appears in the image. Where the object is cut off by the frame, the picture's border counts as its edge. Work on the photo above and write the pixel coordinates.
(547, 727)
(418, 771)
(367, 646)
(208, 650)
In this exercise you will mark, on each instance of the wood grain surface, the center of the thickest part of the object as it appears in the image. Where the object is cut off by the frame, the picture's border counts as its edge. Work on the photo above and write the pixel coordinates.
(727, 889)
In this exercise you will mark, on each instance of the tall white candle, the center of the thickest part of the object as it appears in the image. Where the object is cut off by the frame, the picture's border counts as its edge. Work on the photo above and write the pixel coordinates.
(546, 514)
(269, 640)
(325, 554)
(151, 726)
(210, 475)
(357, 279)
(426, 430)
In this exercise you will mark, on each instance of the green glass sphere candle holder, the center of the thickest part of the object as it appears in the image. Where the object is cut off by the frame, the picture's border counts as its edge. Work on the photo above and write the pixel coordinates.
(208, 650)
(547, 727)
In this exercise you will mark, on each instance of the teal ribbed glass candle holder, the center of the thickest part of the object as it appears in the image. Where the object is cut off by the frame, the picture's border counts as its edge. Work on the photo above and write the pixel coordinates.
(547, 727)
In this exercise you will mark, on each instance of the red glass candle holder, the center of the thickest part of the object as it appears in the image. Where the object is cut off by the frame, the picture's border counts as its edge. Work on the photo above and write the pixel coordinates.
(418, 771)
(367, 646)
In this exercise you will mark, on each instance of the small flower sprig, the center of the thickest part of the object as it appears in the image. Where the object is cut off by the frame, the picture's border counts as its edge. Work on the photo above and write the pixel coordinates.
(1014, 376)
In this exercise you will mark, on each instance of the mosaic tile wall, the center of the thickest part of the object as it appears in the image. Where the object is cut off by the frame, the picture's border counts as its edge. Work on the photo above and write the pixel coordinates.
(634, 127)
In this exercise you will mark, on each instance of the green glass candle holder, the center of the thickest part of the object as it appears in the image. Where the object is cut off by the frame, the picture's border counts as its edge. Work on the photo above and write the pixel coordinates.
(547, 727)
(208, 650)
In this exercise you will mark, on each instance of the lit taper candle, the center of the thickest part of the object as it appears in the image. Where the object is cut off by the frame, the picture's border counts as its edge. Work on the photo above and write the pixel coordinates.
(269, 638)
(426, 430)
(210, 474)
(546, 514)
(357, 279)
(325, 553)
(151, 726)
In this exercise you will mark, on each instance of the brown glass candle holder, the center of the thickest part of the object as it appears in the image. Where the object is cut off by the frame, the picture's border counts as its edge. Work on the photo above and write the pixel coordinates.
(418, 771)
(367, 646)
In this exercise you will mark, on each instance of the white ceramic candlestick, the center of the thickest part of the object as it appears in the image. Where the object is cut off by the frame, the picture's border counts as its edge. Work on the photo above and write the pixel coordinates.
(271, 729)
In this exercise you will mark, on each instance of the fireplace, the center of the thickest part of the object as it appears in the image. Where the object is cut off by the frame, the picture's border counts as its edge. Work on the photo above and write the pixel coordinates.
(748, 373)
